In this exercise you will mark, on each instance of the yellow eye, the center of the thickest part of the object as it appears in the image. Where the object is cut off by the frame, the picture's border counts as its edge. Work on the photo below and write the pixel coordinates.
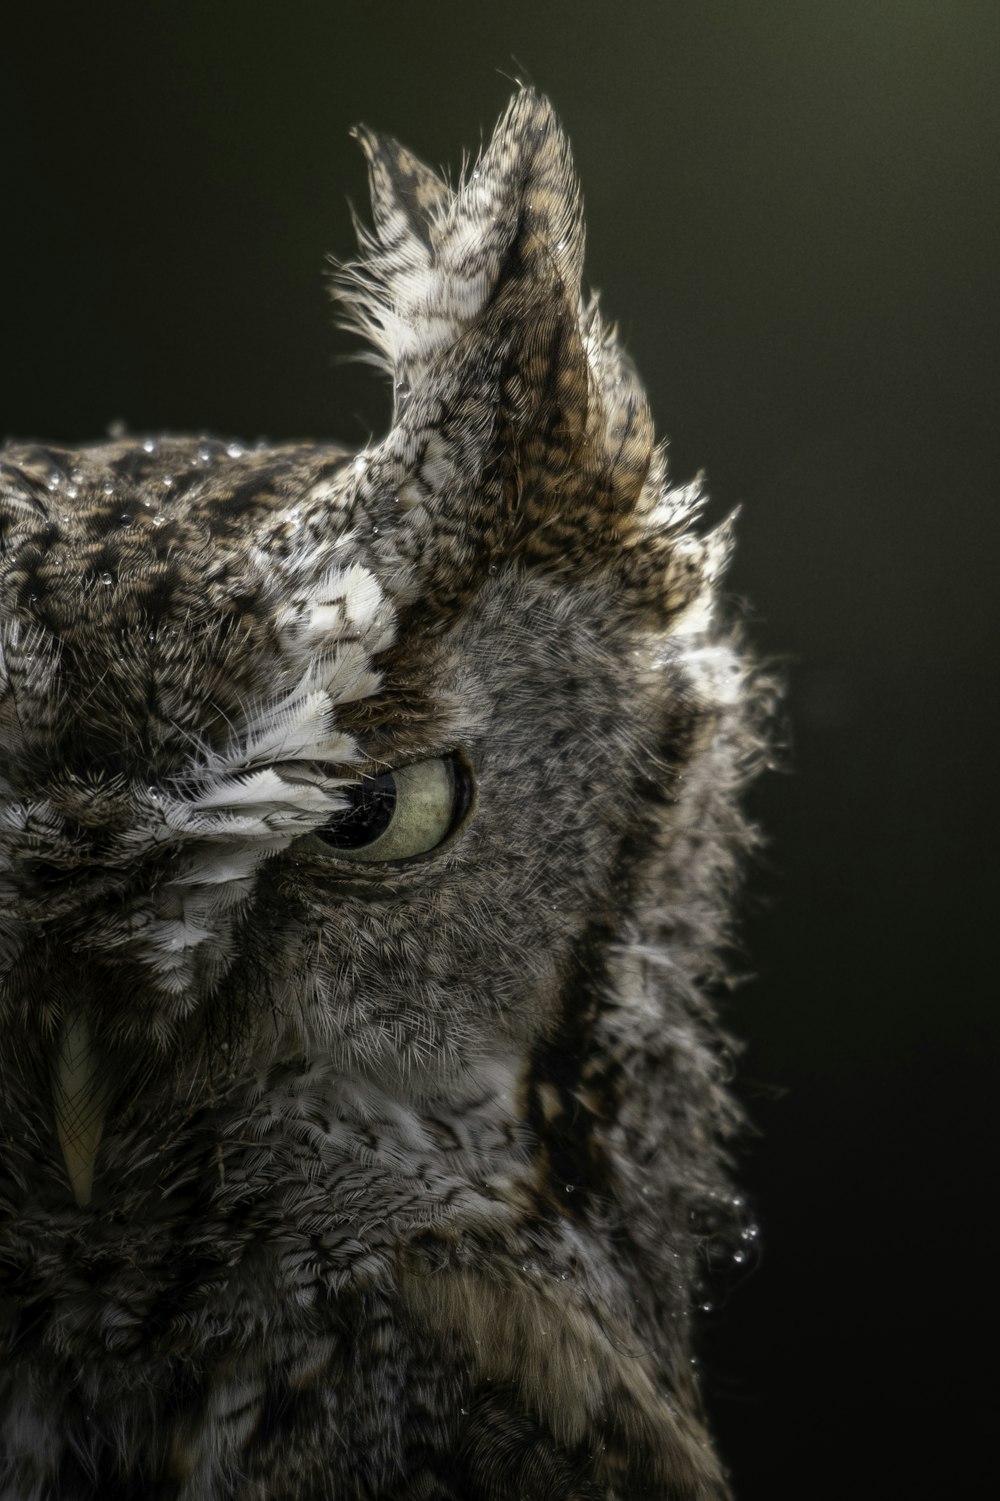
(400, 813)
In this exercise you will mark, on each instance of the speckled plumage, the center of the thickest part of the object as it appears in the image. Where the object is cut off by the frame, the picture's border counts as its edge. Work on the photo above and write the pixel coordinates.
(404, 1168)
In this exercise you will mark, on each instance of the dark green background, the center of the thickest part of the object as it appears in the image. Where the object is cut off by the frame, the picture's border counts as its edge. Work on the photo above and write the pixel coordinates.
(793, 213)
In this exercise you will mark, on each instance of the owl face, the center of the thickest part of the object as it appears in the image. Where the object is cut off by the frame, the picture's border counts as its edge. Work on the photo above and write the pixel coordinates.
(254, 806)
(377, 806)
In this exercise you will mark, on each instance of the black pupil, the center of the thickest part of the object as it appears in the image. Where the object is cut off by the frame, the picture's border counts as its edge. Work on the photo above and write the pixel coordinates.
(372, 804)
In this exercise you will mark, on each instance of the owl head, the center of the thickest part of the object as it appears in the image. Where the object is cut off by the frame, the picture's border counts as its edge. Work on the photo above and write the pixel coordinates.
(413, 769)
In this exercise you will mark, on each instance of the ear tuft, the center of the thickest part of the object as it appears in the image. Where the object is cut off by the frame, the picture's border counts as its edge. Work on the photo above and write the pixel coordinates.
(434, 259)
(520, 429)
(406, 194)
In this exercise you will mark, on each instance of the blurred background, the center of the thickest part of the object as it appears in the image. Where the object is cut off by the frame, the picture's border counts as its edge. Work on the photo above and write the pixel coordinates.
(793, 214)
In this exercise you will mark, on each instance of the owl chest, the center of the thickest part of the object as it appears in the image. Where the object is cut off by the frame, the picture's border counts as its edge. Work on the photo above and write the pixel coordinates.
(217, 1376)
(244, 1340)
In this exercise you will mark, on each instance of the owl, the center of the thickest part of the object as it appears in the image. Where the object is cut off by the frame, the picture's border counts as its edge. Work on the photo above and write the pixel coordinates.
(369, 825)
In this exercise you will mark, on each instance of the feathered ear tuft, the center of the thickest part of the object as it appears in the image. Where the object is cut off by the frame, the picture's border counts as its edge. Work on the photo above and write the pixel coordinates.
(520, 429)
(383, 294)
(434, 258)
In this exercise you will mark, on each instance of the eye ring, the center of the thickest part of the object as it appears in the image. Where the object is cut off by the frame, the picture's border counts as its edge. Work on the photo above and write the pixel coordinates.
(401, 814)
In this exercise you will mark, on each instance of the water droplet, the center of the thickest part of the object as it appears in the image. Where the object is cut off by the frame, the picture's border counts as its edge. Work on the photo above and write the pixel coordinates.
(106, 579)
(204, 455)
(125, 518)
(158, 520)
(167, 481)
(570, 1187)
(464, 1411)
(235, 450)
(54, 480)
(706, 1307)
(108, 487)
(72, 491)
(374, 531)
(739, 1256)
(476, 174)
(149, 445)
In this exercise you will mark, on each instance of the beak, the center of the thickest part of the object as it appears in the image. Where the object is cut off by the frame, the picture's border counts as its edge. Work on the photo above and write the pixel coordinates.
(80, 1099)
